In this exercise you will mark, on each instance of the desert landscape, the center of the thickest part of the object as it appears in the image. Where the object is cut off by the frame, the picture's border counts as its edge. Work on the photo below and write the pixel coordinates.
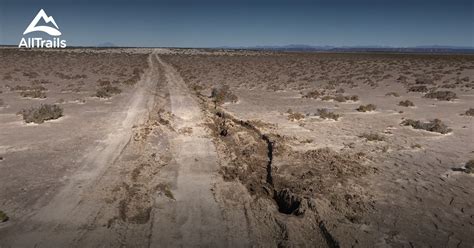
(155, 147)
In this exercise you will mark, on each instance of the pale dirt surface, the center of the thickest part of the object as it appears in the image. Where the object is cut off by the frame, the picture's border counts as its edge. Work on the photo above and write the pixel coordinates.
(405, 194)
(71, 209)
(148, 182)
(194, 218)
(160, 164)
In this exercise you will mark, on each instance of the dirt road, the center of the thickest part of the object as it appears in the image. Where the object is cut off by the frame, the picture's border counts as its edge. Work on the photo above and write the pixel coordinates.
(194, 218)
(116, 197)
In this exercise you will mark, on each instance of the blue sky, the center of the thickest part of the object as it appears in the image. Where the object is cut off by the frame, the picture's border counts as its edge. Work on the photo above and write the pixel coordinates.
(185, 23)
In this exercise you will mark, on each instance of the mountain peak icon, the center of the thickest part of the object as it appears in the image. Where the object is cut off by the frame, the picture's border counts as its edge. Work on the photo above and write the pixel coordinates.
(47, 19)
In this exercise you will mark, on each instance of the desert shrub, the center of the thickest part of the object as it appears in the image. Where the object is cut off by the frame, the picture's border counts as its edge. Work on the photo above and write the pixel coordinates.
(19, 88)
(295, 116)
(28, 88)
(33, 94)
(402, 78)
(395, 94)
(36, 91)
(354, 98)
(423, 80)
(340, 98)
(312, 94)
(469, 166)
(326, 114)
(406, 103)
(107, 91)
(3, 216)
(372, 136)
(137, 71)
(449, 86)
(7, 77)
(326, 98)
(223, 94)
(197, 87)
(72, 76)
(435, 125)
(340, 91)
(469, 112)
(103, 82)
(41, 114)
(30, 74)
(41, 81)
(2, 103)
(132, 80)
(415, 146)
(418, 88)
(442, 95)
(366, 108)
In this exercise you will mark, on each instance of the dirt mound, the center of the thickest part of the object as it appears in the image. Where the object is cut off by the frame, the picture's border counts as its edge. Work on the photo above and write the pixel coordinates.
(292, 179)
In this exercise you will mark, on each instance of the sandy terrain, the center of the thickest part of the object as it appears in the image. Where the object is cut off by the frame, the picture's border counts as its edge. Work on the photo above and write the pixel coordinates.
(170, 147)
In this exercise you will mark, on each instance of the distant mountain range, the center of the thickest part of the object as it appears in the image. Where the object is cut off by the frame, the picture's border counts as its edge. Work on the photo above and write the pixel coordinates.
(107, 44)
(311, 48)
(415, 49)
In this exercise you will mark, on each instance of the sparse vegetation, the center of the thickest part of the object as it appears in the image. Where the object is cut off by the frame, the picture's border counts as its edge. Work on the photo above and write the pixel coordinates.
(196, 87)
(415, 146)
(435, 125)
(107, 91)
(33, 94)
(313, 94)
(418, 88)
(62, 75)
(295, 116)
(442, 95)
(36, 91)
(406, 103)
(135, 77)
(165, 189)
(41, 114)
(354, 98)
(469, 112)
(372, 137)
(423, 80)
(326, 114)
(340, 98)
(327, 98)
(469, 166)
(366, 108)
(3, 216)
(223, 94)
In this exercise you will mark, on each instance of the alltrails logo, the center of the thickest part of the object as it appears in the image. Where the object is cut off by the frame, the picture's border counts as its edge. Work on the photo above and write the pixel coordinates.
(39, 42)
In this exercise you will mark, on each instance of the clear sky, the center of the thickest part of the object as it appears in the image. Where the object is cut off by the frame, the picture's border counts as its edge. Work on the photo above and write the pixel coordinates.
(205, 23)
